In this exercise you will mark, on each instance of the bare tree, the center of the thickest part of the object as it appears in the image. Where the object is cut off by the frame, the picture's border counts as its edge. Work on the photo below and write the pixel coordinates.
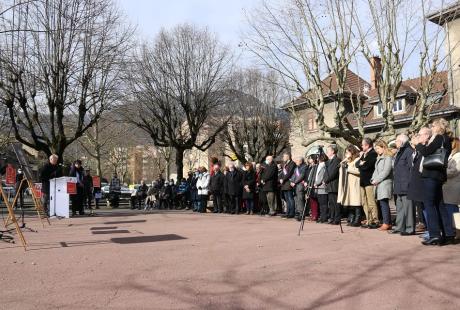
(178, 87)
(60, 62)
(258, 127)
(431, 87)
(311, 45)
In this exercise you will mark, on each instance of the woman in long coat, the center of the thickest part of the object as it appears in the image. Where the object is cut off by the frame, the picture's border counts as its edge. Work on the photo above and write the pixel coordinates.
(249, 187)
(382, 179)
(349, 194)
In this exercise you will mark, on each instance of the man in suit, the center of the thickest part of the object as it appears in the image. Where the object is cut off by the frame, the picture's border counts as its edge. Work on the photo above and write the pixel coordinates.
(286, 189)
(331, 180)
(235, 188)
(49, 171)
(405, 209)
(366, 166)
(268, 180)
(216, 186)
(297, 182)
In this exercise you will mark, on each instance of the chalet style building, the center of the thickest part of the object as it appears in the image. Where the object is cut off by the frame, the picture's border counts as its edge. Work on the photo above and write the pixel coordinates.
(445, 95)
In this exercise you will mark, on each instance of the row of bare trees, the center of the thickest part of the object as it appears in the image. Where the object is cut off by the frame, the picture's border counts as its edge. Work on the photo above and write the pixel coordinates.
(307, 40)
(71, 74)
(73, 82)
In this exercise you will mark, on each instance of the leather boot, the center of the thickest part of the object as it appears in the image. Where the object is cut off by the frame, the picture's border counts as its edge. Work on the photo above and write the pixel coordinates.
(357, 218)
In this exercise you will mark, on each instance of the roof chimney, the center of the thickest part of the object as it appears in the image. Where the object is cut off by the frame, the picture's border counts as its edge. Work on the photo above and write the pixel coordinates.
(376, 69)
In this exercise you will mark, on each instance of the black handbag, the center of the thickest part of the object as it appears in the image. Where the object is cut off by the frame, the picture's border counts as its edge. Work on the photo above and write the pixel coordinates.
(437, 160)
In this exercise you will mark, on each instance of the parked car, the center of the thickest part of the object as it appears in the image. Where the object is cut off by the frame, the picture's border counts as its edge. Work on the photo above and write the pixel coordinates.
(125, 192)
(105, 191)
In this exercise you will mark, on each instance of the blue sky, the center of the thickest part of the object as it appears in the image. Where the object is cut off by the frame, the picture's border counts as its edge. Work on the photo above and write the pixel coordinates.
(224, 17)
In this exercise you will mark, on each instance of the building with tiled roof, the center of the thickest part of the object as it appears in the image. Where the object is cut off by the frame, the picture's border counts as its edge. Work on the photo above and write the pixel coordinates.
(403, 110)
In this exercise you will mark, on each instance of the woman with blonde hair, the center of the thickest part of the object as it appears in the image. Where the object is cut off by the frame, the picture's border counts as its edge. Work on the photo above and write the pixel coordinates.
(382, 179)
(349, 191)
(451, 189)
(430, 145)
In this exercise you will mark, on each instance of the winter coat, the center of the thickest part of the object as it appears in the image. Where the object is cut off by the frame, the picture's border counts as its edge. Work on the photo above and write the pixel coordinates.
(269, 177)
(383, 176)
(298, 178)
(249, 179)
(235, 182)
(47, 173)
(349, 190)
(79, 174)
(426, 150)
(366, 166)
(401, 169)
(286, 173)
(451, 189)
(331, 175)
(194, 189)
(320, 188)
(415, 190)
(202, 184)
(115, 185)
(217, 183)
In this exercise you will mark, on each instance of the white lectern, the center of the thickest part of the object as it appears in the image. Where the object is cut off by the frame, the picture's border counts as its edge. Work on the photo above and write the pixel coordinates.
(59, 197)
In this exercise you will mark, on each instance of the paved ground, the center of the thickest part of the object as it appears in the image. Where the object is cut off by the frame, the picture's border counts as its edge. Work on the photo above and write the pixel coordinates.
(179, 260)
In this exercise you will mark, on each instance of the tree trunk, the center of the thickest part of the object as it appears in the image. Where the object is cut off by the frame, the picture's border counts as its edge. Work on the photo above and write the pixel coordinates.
(179, 163)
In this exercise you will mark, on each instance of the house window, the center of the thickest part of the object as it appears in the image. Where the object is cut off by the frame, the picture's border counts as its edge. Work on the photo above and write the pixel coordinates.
(398, 107)
(311, 122)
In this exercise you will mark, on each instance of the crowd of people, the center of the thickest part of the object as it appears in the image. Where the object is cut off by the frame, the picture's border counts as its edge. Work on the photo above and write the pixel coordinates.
(421, 175)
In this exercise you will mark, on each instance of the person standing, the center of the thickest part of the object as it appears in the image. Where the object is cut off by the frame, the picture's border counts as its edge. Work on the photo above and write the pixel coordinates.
(366, 166)
(235, 188)
(297, 182)
(115, 190)
(78, 172)
(88, 189)
(382, 179)
(320, 189)
(203, 189)
(49, 171)
(141, 194)
(451, 189)
(286, 190)
(21, 187)
(268, 180)
(405, 208)
(331, 180)
(249, 187)
(216, 188)
(349, 189)
(432, 179)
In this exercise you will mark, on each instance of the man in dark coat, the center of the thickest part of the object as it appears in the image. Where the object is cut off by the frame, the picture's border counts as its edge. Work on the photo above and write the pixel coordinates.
(287, 192)
(366, 166)
(297, 182)
(78, 172)
(331, 179)
(216, 185)
(88, 185)
(235, 188)
(268, 180)
(49, 171)
(405, 208)
(141, 194)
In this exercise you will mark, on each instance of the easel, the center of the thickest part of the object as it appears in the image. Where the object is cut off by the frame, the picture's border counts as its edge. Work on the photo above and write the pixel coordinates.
(36, 201)
(14, 221)
(23, 164)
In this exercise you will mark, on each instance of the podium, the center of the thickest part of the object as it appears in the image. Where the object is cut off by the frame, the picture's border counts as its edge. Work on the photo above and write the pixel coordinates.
(60, 189)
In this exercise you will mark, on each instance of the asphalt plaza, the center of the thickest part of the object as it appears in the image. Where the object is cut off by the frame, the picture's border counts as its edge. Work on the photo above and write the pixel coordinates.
(183, 260)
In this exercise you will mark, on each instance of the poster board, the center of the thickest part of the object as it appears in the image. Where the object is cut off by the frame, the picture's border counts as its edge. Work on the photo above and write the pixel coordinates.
(10, 178)
(96, 182)
(22, 160)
